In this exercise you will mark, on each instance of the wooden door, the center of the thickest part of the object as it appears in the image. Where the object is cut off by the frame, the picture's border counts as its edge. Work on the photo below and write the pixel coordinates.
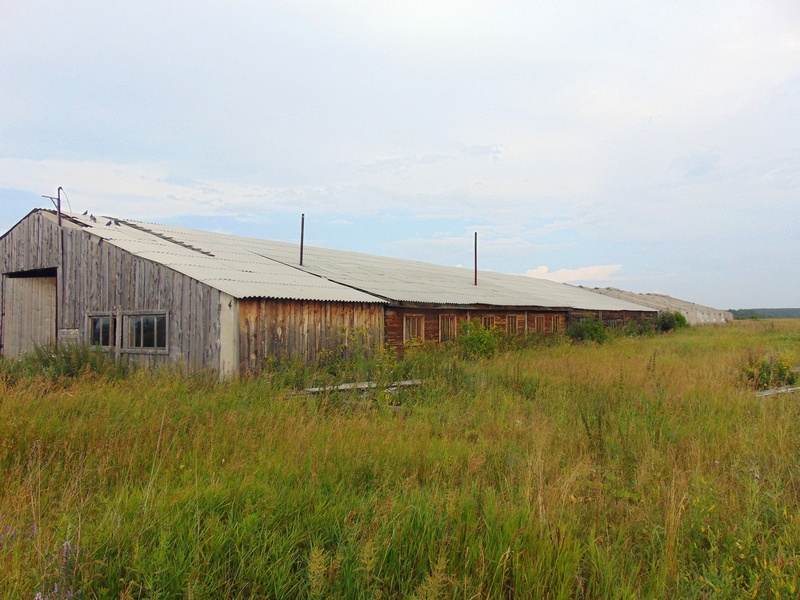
(29, 314)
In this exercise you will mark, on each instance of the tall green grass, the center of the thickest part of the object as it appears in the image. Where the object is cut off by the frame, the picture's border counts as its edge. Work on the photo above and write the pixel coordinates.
(642, 468)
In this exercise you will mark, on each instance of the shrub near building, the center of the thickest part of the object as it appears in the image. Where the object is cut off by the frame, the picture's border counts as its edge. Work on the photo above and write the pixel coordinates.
(587, 330)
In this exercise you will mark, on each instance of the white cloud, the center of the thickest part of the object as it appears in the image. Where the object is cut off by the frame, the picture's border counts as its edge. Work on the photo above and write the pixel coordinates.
(594, 274)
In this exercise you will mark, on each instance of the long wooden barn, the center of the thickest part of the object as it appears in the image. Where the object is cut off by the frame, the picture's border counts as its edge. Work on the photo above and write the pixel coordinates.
(157, 294)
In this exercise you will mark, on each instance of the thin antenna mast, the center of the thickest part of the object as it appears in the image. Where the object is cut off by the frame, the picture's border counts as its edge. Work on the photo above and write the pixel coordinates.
(56, 200)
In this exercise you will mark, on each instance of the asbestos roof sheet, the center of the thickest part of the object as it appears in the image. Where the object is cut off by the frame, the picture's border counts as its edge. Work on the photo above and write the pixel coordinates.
(248, 267)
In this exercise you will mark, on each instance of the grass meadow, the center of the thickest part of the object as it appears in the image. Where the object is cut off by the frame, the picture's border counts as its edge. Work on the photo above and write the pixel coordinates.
(645, 467)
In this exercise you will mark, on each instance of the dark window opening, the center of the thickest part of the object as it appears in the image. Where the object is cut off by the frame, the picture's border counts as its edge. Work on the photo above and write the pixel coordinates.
(103, 331)
(147, 331)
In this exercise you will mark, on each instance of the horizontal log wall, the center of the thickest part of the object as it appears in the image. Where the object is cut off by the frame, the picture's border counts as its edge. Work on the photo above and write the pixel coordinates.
(528, 321)
(612, 318)
(305, 329)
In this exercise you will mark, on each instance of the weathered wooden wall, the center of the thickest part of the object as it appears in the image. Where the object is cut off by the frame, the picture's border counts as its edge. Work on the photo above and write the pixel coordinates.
(305, 329)
(96, 277)
(528, 321)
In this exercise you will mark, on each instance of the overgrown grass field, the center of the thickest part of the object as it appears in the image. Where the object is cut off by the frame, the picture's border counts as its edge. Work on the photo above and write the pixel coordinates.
(645, 467)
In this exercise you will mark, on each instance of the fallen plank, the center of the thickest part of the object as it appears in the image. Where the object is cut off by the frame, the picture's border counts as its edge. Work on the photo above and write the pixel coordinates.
(783, 390)
(370, 385)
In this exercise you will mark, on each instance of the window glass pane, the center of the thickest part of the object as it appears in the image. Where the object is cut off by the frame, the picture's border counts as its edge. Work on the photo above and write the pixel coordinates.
(96, 329)
(136, 332)
(101, 331)
(145, 331)
(161, 332)
(148, 332)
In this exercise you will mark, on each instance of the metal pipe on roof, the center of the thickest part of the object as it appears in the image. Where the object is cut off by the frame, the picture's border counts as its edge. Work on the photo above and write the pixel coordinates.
(302, 235)
(476, 258)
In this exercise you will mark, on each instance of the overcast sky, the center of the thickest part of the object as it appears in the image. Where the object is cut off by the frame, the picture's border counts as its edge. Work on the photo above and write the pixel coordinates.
(650, 146)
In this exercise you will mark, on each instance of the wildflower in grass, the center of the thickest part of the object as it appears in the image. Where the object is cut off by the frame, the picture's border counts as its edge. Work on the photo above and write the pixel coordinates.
(769, 372)
(7, 536)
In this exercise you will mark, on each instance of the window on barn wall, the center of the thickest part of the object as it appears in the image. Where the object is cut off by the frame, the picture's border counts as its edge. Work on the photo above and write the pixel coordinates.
(538, 324)
(103, 331)
(447, 328)
(488, 321)
(147, 331)
(413, 328)
(512, 324)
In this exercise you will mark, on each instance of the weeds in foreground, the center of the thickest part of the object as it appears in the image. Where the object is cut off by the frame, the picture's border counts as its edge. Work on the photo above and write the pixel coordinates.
(56, 362)
(770, 371)
(639, 468)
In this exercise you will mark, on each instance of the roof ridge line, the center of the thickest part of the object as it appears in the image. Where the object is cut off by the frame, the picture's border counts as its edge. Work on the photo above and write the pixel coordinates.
(303, 270)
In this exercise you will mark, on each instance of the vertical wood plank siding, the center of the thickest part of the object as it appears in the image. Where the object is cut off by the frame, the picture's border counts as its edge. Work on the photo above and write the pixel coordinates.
(305, 329)
(96, 277)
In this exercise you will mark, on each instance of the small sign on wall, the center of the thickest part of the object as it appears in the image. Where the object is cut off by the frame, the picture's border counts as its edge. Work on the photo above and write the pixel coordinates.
(68, 336)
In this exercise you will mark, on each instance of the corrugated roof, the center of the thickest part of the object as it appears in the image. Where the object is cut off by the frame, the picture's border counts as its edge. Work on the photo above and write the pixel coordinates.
(248, 267)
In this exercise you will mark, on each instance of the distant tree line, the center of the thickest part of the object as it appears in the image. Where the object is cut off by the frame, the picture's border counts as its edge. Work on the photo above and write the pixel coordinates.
(766, 313)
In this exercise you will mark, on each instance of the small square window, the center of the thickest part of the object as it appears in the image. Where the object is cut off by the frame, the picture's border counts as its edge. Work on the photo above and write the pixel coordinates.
(488, 321)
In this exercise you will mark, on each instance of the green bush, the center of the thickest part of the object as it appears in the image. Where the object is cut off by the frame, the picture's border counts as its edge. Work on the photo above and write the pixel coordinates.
(476, 341)
(639, 327)
(667, 321)
(587, 330)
